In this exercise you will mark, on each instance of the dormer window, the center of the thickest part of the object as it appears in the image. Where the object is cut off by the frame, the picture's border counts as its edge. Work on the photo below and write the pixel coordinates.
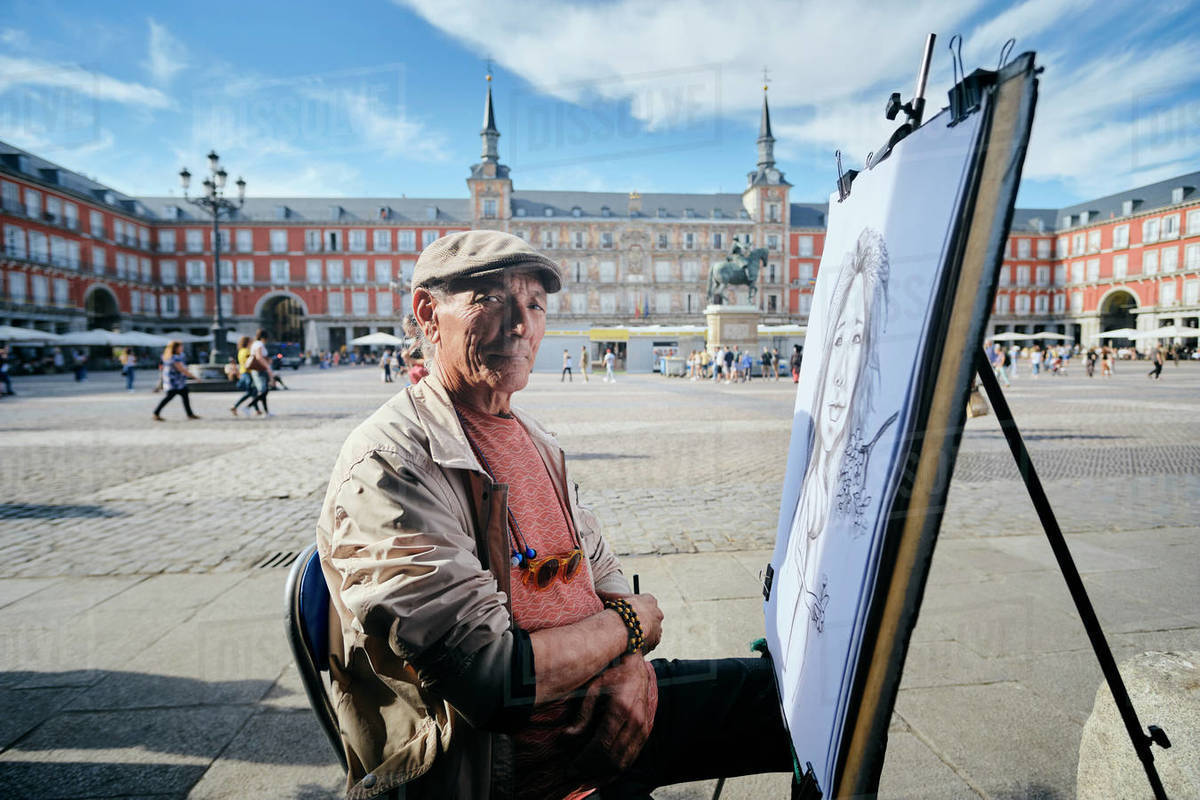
(662, 212)
(335, 212)
(521, 211)
(281, 212)
(431, 212)
(549, 211)
(716, 213)
(605, 211)
(744, 214)
(690, 213)
(576, 211)
(1126, 207)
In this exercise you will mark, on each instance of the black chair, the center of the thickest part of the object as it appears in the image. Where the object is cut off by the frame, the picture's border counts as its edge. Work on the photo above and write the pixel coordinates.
(307, 619)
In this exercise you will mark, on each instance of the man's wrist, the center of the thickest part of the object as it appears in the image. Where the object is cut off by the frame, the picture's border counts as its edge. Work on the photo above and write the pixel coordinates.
(635, 638)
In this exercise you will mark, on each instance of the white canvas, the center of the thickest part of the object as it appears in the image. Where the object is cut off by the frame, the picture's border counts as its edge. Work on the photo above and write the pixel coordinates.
(883, 259)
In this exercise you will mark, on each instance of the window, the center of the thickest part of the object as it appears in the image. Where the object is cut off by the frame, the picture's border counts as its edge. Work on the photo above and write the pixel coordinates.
(245, 271)
(1170, 259)
(1023, 275)
(16, 286)
(71, 216)
(608, 302)
(147, 274)
(662, 241)
(62, 291)
(12, 197)
(1170, 226)
(1093, 269)
(662, 302)
(166, 241)
(1150, 262)
(662, 271)
(196, 304)
(552, 301)
(404, 271)
(1043, 276)
(226, 272)
(1166, 293)
(383, 303)
(120, 262)
(1150, 229)
(170, 305)
(804, 246)
(312, 241)
(1005, 275)
(772, 303)
(39, 247)
(1120, 236)
(280, 270)
(804, 304)
(805, 272)
(718, 241)
(41, 290)
(333, 271)
(33, 208)
(549, 240)
(1193, 222)
(1093, 241)
(691, 271)
(428, 238)
(382, 241)
(772, 242)
(359, 304)
(773, 212)
(358, 270)
(1001, 304)
(1120, 266)
(578, 303)
(1043, 248)
(196, 272)
(1022, 248)
(312, 270)
(1022, 304)
(577, 240)
(608, 271)
(279, 241)
(227, 304)
(489, 209)
(333, 241)
(772, 272)
(1077, 302)
(1062, 245)
(1060, 303)
(1191, 292)
(1191, 256)
(406, 241)
(245, 241)
(118, 231)
(383, 271)
(1060, 275)
(358, 241)
(1077, 243)
(337, 303)
(96, 223)
(144, 238)
(58, 253)
(14, 241)
(167, 271)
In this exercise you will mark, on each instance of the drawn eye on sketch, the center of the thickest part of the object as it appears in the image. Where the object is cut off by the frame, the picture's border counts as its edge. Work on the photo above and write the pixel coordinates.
(835, 475)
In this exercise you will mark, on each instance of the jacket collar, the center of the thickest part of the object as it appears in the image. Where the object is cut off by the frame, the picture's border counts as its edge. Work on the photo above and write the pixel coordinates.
(448, 444)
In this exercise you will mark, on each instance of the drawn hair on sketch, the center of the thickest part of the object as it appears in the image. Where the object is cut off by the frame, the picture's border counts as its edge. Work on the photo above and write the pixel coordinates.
(843, 398)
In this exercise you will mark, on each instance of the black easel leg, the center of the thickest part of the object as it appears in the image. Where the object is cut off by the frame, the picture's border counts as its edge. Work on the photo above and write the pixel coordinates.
(1066, 563)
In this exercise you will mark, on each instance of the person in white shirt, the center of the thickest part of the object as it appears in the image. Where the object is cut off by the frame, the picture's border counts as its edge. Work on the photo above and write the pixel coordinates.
(566, 373)
(262, 375)
(609, 360)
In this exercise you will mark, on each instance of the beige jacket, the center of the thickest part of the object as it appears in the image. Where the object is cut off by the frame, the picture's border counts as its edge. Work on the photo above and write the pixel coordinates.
(414, 546)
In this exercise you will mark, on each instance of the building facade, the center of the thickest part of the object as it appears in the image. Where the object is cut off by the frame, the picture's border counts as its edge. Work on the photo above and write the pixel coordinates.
(321, 271)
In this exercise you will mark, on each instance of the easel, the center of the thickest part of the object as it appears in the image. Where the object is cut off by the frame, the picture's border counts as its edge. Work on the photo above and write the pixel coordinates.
(1066, 564)
(966, 97)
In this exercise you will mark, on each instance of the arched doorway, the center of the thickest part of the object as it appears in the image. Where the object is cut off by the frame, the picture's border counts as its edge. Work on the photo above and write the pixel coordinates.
(1116, 312)
(283, 319)
(101, 308)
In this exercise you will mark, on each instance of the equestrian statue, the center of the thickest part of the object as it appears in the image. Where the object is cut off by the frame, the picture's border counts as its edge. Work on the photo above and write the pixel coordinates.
(740, 267)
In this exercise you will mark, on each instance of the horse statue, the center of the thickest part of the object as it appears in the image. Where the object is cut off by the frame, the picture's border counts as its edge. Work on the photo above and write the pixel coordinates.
(740, 267)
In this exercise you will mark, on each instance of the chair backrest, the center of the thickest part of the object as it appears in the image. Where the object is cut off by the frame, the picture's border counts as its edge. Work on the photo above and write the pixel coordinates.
(307, 621)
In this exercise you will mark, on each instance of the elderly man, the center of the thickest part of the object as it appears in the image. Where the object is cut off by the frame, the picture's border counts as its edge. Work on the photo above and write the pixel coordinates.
(489, 645)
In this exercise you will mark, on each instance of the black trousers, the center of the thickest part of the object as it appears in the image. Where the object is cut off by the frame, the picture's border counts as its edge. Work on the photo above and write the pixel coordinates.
(715, 718)
(183, 394)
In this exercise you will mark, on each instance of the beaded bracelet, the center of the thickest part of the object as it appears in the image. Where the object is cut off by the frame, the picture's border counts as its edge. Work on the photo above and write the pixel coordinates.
(625, 611)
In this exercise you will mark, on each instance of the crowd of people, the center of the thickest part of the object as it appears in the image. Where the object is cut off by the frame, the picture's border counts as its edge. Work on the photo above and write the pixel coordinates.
(734, 365)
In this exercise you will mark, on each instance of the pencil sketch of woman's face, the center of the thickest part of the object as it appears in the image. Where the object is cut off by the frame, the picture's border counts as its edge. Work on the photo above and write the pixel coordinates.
(845, 360)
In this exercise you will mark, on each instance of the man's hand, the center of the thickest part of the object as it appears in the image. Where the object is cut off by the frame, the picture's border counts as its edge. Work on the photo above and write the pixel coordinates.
(648, 613)
(617, 710)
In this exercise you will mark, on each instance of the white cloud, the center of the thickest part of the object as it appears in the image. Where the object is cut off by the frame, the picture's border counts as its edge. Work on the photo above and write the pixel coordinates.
(380, 128)
(165, 54)
(28, 72)
(14, 38)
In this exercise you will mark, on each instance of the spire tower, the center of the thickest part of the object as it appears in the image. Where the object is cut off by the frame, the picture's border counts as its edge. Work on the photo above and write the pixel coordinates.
(489, 134)
(766, 142)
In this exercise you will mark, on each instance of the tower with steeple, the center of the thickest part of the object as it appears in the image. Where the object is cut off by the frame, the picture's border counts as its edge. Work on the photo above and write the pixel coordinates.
(766, 201)
(489, 184)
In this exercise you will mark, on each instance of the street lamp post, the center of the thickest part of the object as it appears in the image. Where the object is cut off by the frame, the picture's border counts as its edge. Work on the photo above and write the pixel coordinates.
(213, 201)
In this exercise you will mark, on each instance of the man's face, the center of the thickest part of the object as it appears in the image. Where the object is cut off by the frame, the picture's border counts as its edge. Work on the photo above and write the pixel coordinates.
(488, 332)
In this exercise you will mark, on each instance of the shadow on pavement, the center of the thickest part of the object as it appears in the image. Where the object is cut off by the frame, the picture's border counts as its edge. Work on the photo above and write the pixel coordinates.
(40, 511)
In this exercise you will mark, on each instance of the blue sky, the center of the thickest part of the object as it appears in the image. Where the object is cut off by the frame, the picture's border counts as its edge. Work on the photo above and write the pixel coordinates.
(385, 98)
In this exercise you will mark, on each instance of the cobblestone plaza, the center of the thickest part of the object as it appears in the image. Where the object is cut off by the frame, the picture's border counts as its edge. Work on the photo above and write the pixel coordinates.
(141, 592)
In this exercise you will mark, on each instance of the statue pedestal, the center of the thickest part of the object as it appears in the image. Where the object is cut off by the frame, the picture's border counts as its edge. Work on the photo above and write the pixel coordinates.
(730, 326)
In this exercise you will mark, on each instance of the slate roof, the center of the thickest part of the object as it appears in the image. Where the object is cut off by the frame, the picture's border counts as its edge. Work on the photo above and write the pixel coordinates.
(14, 159)
(416, 210)
(591, 204)
(1151, 196)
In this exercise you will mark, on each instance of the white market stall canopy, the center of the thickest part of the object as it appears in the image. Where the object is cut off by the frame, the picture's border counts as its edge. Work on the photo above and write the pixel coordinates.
(1049, 335)
(377, 340)
(1167, 332)
(98, 337)
(187, 338)
(1012, 337)
(1119, 333)
(10, 333)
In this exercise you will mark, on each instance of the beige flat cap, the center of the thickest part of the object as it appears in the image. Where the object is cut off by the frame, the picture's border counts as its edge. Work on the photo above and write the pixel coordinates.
(470, 253)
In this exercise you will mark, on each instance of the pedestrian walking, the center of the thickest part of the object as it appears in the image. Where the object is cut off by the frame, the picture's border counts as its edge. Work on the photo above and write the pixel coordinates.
(79, 359)
(998, 357)
(609, 360)
(730, 361)
(260, 370)
(1156, 372)
(4, 372)
(1106, 362)
(566, 367)
(1014, 358)
(794, 363)
(175, 377)
(747, 366)
(128, 365)
(1035, 361)
(385, 362)
(583, 362)
(775, 361)
(245, 380)
(766, 363)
